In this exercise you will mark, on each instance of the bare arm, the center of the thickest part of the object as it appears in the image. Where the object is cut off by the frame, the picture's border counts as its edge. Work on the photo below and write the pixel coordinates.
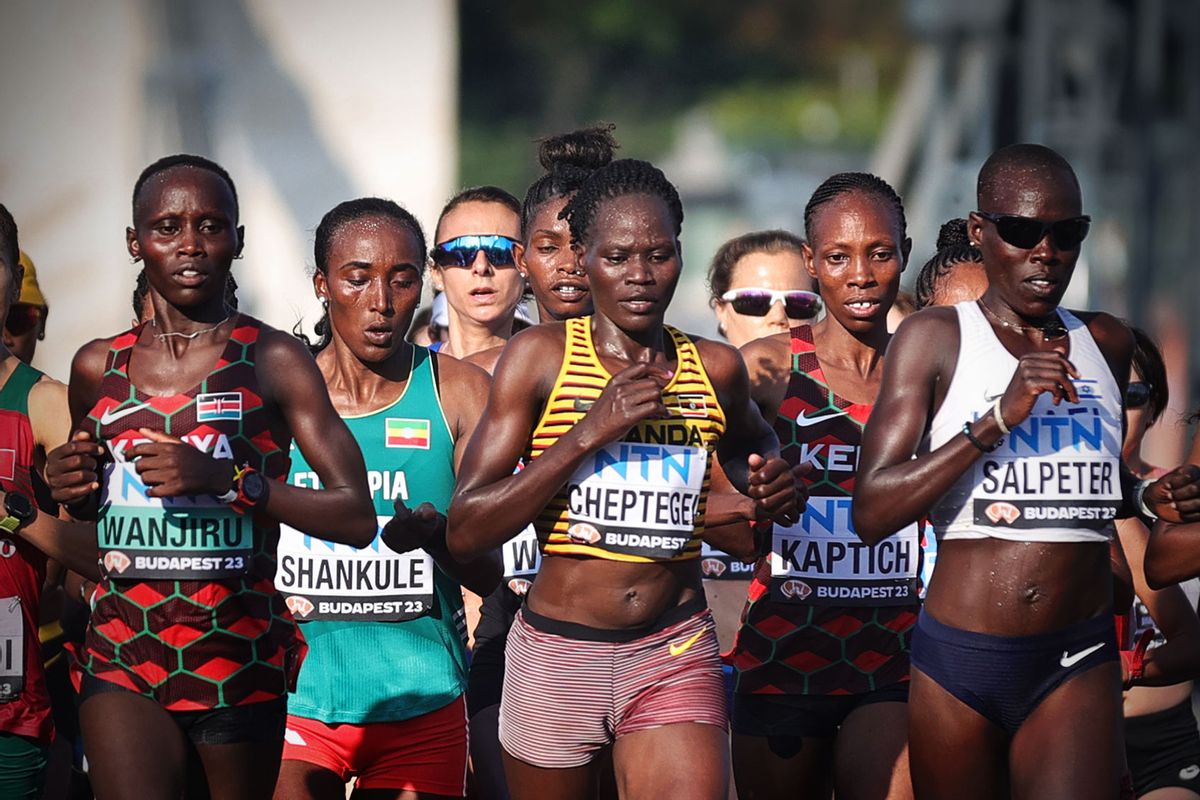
(73, 468)
(1178, 659)
(464, 390)
(72, 544)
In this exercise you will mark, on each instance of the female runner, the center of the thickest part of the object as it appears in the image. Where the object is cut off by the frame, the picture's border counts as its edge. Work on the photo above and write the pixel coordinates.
(1015, 681)
(822, 654)
(617, 417)
(560, 289)
(398, 722)
(758, 286)
(184, 427)
(474, 263)
(954, 273)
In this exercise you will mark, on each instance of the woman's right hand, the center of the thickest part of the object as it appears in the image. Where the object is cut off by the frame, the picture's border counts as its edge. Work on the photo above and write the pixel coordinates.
(633, 394)
(1038, 373)
(73, 469)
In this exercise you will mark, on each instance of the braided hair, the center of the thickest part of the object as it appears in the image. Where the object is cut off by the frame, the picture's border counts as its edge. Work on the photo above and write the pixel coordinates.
(568, 158)
(620, 178)
(183, 160)
(848, 183)
(331, 224)
(953, 247)
(10, 249)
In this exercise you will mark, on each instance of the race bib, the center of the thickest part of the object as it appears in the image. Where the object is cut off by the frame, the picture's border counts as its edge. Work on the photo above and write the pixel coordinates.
(637, 499)
(821, 561)
(196, 537)
(1054, 470)
(323, 580)
(717, 565)
(12, 649)
(522, 559)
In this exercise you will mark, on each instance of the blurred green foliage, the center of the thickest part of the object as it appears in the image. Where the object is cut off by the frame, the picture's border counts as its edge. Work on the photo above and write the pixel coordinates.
(771, 74)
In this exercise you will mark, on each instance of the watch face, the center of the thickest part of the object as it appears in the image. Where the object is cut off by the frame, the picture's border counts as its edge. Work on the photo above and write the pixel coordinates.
(254, 486)
(19, 506)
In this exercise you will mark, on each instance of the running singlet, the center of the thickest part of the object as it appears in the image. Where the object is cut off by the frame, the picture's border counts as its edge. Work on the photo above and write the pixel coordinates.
(641, 498)
(187, 612)
(384, 629)
(1055, 478)
(24, 699)
(827, 613)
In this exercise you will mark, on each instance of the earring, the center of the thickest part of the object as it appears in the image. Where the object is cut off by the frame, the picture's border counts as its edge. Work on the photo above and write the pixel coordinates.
(325, 303)
(134, 259)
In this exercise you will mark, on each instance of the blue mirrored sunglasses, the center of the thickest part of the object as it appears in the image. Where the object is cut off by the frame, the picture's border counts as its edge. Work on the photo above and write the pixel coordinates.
(460, 251)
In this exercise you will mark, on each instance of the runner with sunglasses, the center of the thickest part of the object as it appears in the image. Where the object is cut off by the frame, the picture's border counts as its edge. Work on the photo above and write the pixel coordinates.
(617, 418)
(25, 324)
(821, 657)
(560, 289)
(183, 431)
(1002, 420)
(474, 264)
(758, 286)
(1162, 631)
(397, 721)
(955, 272)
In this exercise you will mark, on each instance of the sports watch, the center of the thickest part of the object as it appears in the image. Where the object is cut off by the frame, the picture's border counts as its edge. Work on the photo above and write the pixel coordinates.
(252, 487)
(18, 510)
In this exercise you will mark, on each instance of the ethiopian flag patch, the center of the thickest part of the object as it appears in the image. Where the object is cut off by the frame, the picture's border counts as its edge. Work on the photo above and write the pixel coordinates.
(408, 433)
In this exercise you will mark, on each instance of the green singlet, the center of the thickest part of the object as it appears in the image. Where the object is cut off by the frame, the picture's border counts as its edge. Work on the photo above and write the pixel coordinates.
(385, 630)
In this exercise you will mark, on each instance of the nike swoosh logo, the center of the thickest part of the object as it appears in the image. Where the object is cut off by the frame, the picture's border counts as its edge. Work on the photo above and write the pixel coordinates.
(804, 421)
(679, 649)
(109, 416)
(1072, 660)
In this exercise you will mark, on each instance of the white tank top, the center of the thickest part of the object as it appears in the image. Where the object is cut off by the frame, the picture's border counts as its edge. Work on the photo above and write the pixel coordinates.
(1056, 477)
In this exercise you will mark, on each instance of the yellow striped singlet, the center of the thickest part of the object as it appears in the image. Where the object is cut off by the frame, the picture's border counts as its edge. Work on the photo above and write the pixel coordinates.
(642, 498)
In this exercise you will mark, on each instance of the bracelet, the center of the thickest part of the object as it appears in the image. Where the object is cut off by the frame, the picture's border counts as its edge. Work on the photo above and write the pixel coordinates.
(1139, 498)
(1135, 659)
(996, 415)
(983, 448)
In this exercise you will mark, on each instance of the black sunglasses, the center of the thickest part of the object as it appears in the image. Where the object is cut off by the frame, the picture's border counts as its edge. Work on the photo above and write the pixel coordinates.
(1026, 232)
(1137, 394)
(22, 318)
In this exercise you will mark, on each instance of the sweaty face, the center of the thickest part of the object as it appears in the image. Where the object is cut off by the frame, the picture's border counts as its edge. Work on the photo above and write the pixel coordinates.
(1030, 281)
(856, 253)
(185, 230)
(774, 271)
(482, 292)
(632, 260)
(559, 285)
(965, 280)
(373, 283)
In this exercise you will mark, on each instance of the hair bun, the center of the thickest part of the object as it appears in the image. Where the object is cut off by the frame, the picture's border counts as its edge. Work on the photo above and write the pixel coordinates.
(585, 149)
(953, 234)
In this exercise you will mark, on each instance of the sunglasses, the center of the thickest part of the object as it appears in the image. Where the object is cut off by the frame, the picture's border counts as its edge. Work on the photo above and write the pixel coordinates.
(1026, 232)
(754, 302)
(1137, 394)
(461, 251)
(22, 318)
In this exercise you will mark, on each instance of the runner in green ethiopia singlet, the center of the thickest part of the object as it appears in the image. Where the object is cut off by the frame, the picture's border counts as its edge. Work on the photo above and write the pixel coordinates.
(384, 629)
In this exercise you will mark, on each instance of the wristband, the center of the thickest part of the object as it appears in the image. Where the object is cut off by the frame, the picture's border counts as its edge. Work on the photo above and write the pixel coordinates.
(983, 448)
(1139, 498)
(1135, 659)
(996, 415)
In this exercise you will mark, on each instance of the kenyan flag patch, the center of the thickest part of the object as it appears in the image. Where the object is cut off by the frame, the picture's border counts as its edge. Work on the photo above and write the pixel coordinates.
(408, 433)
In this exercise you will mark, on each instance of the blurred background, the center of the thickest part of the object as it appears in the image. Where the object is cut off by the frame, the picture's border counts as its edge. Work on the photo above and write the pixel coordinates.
(747, 107)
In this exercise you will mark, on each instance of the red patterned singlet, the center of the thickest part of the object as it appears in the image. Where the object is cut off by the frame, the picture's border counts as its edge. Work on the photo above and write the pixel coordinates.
(827, 614)
(188, 613)
(24, 701)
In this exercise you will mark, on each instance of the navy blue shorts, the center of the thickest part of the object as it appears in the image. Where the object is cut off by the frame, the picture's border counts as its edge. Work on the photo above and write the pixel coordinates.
(1005, 678)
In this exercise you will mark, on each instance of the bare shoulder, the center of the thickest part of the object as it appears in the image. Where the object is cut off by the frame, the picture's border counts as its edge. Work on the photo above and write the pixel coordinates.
(721, 361)
(536, 349)
(457, 375)
(765, 355)
(275, 344)
(486, 359)
(90, 360)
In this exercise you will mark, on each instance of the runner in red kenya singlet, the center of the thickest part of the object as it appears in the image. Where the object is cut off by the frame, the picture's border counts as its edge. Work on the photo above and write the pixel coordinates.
(184, 425)
(822, 654)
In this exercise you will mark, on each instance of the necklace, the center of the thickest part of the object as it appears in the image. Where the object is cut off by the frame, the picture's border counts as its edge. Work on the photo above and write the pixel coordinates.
(1051, 329)
(162, 337)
